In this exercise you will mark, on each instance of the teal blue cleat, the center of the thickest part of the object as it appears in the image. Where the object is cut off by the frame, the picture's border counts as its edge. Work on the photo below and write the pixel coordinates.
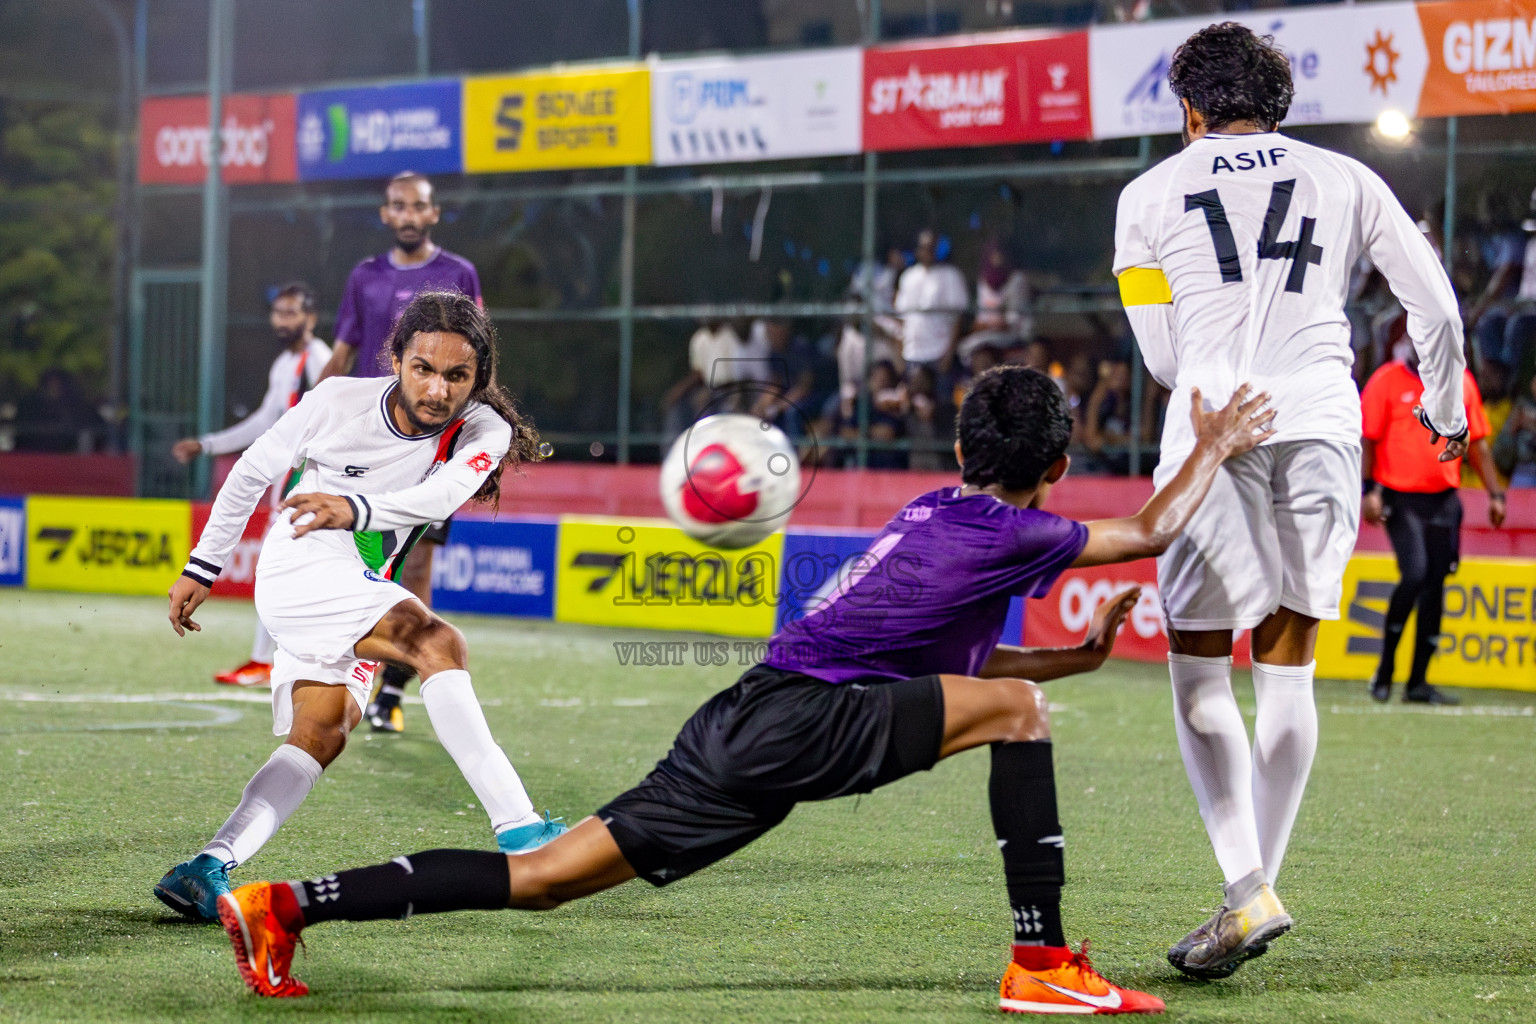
(193, 887)
(527, 838)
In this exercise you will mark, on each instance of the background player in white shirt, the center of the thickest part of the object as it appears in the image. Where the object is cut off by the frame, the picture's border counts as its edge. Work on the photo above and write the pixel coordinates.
(1233, 258)
(383, 458)
(296, 369)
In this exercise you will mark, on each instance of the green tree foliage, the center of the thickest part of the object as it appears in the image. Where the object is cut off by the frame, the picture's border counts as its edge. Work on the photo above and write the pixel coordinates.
(56, 241)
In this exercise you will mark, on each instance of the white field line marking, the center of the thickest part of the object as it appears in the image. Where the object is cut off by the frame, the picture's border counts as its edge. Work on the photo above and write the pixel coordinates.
(253, 695)
(218, 716)
(1472, 711)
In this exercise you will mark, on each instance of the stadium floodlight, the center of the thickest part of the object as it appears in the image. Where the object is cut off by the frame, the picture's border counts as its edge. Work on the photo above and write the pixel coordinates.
(1393, 126)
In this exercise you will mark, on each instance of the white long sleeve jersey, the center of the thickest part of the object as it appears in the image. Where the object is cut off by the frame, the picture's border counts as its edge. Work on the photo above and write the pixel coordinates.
(291, 375)
(346, 439)
(1233, 258)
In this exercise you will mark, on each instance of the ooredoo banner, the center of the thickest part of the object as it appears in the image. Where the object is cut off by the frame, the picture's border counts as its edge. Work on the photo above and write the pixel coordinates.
(977, 91)
(549, 120)
(239, 576)
(256, 140)
(756, 108)
(1347, 63)
(373, 133)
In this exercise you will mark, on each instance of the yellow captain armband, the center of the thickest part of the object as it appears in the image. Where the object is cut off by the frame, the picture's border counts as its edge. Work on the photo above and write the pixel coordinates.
(1144, 286)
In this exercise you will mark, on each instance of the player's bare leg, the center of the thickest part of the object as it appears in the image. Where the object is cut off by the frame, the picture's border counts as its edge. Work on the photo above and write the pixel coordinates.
(1247, 799)
(1010, 715)
(384, 712)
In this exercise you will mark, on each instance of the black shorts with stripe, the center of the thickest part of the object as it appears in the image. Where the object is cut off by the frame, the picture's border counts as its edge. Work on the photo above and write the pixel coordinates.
(752, 752)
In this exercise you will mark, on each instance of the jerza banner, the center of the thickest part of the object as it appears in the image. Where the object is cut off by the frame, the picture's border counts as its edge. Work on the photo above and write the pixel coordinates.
(1487, 633)
(373, 133)
(756, 108)
(106, 545)
(496, 568)
(977, 91)
(256, 140)
(13, 541)
(1348, 64)
(589, 118)
(650, 575)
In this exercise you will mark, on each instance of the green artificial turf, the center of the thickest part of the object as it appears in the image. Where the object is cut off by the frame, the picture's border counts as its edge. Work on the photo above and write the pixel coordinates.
(1410, 873)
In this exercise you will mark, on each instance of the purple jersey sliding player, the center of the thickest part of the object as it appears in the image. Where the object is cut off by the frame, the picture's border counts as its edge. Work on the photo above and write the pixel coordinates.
(896, 669)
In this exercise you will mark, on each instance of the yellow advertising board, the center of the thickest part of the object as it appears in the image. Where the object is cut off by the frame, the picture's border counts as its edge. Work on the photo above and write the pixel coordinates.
(1488, 634)
(589, 118)
(107, 545)
(646, 573)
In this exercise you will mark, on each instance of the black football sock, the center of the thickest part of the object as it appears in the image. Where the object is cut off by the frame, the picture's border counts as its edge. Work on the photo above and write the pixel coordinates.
(392, 686)
(433, 882)
(1023, 796)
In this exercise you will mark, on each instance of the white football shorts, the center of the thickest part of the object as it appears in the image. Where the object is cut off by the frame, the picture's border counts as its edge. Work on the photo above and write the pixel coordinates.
(1276, 530)
(316, 607)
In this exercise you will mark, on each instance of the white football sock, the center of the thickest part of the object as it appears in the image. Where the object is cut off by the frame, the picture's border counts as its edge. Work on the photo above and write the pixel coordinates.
(263, 646)
(272, 795)
(460, 725)
(1284, 741)
(1214, 743)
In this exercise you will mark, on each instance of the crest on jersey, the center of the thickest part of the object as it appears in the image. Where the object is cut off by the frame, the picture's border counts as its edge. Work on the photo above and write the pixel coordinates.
(480, 463)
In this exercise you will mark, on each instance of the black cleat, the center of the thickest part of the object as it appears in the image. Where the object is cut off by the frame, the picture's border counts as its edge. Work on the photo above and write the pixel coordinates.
(1423, 693)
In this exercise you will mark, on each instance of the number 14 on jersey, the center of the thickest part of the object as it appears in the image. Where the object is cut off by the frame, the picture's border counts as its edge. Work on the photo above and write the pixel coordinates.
(1301, 252)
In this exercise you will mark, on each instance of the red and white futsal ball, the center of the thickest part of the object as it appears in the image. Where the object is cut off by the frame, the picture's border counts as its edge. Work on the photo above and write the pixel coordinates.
(730, 480)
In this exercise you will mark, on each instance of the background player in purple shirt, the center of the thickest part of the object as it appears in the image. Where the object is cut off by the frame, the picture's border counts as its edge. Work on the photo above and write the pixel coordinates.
(378, 290)
(897, 669)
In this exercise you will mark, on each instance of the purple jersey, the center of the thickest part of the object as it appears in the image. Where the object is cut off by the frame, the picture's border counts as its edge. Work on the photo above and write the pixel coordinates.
(931, 593)
(378, 292)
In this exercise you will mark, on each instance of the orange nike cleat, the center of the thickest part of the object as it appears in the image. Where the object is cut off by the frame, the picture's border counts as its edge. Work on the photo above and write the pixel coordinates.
(1061, 981)
(252, 673)
(264, 931)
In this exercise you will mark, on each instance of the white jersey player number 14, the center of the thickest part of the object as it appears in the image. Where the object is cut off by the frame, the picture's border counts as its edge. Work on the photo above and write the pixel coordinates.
(1300, 252)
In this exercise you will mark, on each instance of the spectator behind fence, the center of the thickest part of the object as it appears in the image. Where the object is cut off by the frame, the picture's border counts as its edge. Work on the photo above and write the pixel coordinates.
(788, 398)
(1520, 329)
(1109, 417)
(930, 298)
(1514, 449)
(1002, 304)
(719, 365)
(56, 417)
(1409, 489)
(1501, 245)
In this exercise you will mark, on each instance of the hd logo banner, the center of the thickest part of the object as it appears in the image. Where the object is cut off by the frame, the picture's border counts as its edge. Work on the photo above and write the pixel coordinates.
(106, 545)
(648, 574)
(726, 109)
(13, 541)
(373, 133)
(1487, 634)
(496, 568)
(550, 120)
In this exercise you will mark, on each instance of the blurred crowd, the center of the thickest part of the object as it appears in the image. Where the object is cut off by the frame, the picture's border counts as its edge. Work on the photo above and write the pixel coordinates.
(930, 332)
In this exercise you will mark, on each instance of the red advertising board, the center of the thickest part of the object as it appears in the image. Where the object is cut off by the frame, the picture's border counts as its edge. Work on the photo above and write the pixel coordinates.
(1060, 618)
(239, 576)
(977, 91)
(258, 140)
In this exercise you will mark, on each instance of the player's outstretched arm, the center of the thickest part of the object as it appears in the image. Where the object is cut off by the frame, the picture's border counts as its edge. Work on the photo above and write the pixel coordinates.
(1042, 664)
(1242, 425)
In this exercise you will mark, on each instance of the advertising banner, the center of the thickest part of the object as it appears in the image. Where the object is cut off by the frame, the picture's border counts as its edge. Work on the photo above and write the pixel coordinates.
(496, 568)
(257, 140)
(1487, 635)
(1062, 617)
(373, 133)
(550, 120)
(239, 576)
(650, 575)
(756, 108)
(977, 91)
(13, 541)
(1482, 57)
(1348, 64)
(106, 545)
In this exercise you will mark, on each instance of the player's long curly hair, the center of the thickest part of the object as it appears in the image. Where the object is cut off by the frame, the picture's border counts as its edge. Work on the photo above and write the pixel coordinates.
(1228, 74)
(450, 312)
(1013, 425)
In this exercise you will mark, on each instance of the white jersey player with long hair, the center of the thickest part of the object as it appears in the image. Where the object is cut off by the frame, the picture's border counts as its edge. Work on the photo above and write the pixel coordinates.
(382, 458)
(1233, 258)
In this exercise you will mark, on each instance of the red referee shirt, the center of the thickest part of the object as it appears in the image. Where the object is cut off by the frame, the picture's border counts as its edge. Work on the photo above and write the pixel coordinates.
(1405, 460)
